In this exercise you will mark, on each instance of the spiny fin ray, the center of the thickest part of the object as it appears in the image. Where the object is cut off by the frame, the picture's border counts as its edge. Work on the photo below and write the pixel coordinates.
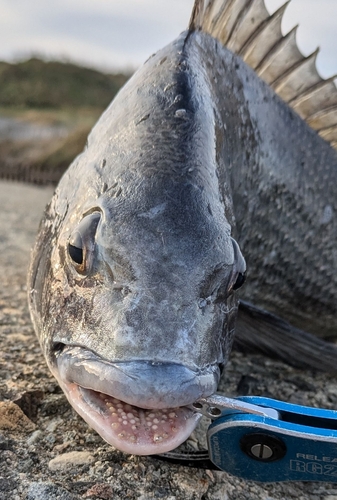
(263, 39)
(252, 16)
(329, 133)
(281, 57)
(246, 28)
(316, 98)
(298, 78)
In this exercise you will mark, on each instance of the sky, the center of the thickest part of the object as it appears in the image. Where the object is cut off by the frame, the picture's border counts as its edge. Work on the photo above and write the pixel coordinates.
(116, 35)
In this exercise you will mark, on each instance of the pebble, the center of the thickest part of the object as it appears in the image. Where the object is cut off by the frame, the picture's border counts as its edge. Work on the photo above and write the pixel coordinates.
(35, 437)
(53, 425)
(191, 487)
(12, 418)
(71, 459)
(48, 491)
(101, 491)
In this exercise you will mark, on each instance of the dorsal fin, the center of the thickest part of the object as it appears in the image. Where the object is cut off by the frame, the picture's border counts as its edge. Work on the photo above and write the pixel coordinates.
(247, 28)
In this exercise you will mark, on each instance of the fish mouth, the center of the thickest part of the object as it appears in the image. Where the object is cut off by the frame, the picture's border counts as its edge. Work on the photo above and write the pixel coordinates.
(138, 407)
(129, 428)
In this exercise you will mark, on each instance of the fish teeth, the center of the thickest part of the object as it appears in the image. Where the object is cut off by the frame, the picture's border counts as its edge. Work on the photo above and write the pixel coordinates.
(133, 424)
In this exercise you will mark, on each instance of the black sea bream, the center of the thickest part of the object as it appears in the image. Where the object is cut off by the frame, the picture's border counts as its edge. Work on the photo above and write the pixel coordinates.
(196, 167)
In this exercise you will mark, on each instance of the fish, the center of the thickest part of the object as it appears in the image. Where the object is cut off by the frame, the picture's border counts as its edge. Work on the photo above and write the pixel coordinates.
(217, 156)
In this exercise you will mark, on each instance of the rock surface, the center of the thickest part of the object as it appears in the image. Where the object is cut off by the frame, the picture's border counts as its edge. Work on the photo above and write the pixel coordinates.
(44, 430)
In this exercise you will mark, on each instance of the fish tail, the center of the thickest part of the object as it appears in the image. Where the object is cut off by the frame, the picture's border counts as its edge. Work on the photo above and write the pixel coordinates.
(260, 331)
(247, 29)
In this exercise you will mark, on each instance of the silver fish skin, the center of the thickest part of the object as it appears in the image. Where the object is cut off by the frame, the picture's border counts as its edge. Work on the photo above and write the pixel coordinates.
(147, 313)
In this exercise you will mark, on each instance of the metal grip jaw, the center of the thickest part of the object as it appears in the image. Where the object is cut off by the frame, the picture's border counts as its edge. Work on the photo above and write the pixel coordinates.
(216, 406)
(265, 440)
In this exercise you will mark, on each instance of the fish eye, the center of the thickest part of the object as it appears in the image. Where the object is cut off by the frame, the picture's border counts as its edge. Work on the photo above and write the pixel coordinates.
(233, 282)
(241, 278)
(239, 268)
(75, 248)
(81, 244)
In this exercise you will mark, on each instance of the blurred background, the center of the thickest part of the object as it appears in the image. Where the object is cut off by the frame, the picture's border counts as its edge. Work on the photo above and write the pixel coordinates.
(62, 62)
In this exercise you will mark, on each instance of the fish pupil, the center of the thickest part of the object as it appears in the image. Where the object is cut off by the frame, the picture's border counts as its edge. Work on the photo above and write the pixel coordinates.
(239, 281)
(76, 254)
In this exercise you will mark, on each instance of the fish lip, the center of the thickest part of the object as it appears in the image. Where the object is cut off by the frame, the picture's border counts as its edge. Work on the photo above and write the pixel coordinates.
(141, 383)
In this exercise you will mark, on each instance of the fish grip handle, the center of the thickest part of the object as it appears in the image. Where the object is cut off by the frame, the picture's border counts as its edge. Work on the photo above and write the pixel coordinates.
(265, 440)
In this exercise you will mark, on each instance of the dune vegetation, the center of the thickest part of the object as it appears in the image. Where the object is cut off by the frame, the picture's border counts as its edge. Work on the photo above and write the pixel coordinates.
(47, 109)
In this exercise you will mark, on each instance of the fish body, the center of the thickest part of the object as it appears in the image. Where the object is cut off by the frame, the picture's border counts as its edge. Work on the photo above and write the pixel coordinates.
(132, 284)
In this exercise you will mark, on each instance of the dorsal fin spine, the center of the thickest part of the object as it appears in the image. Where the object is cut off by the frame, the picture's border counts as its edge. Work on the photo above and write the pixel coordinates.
(195, 20)
(283, 79)
(272, 55)
(273, 21)
(321, 115)
(311, 91)
(222, 20)
(329, 133)
(239, 20)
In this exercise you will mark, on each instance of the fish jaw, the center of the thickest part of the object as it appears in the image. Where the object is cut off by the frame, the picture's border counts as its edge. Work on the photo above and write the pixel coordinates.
(129, 428)
(139, 407)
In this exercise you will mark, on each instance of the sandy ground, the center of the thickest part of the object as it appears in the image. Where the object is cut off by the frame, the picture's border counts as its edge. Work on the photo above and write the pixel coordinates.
(47, 452)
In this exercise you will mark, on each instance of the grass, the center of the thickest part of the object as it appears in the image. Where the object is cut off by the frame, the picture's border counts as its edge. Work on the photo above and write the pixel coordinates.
(67, 116)
(50, 94)
(42, 84)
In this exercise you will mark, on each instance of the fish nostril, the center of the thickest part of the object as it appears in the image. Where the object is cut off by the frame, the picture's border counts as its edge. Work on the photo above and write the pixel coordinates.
(202, 303)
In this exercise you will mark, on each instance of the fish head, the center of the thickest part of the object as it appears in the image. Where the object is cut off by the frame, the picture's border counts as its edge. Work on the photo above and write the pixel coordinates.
(132, 284)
